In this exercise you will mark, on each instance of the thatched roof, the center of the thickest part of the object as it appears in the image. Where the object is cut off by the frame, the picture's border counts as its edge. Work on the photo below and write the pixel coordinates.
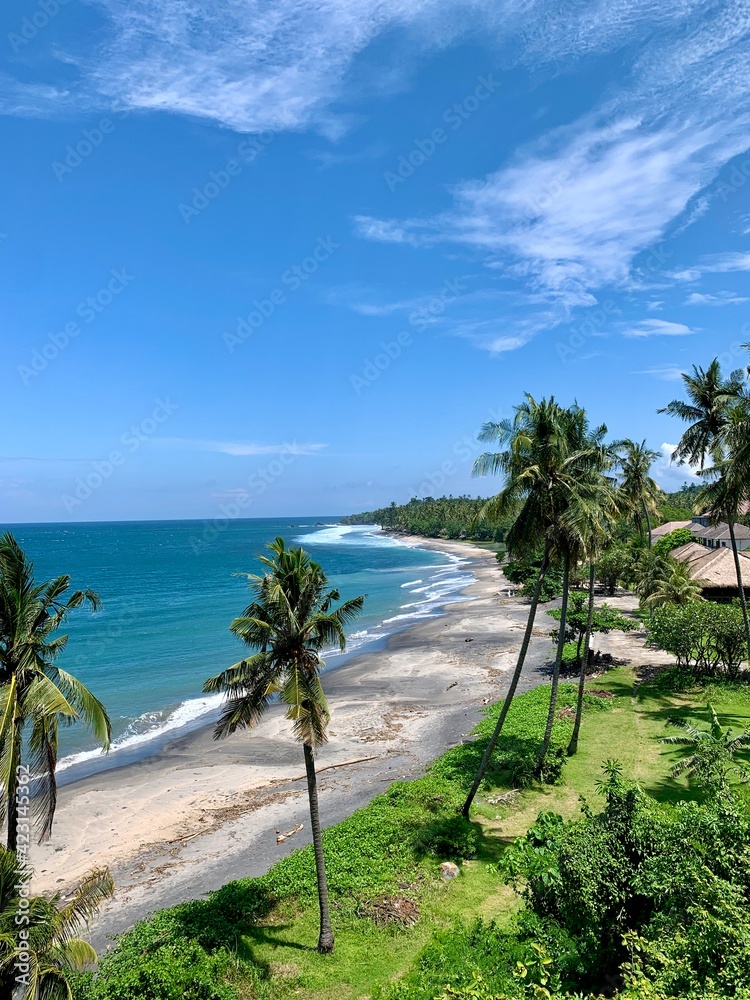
(713, 567)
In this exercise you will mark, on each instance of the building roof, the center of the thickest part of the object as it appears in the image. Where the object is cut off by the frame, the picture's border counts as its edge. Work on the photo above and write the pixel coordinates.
(665, 529)
(713, 567)
(721, 530)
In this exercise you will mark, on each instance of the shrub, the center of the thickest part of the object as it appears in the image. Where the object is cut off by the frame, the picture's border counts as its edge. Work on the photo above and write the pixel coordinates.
(703, 635)
(673, 540)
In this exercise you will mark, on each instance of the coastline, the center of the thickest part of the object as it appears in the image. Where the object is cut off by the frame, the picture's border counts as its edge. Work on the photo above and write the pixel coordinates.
(197, 814)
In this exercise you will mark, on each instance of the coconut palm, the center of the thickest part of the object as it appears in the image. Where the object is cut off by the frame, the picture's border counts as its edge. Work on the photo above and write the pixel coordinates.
(719, 430)
(541, 458)
(714, 750)
(587, 510)
(36, 694)
(709, 395)
(675, 586)
(639, 493)
(290, 620)
(51, 938)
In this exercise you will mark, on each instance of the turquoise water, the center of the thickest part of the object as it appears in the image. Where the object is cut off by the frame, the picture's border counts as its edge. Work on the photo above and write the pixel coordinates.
(169, 593)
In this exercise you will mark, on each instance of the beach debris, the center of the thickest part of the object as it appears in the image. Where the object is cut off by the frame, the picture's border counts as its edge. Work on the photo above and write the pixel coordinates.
(344, 763)
(468, 640)
(454, 684)
(281, 837)
(506, 798)
(390, 910)
(449, 870)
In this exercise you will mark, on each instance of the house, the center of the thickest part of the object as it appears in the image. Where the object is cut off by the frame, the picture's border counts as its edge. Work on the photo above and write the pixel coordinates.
(712, 536)
(713, 567)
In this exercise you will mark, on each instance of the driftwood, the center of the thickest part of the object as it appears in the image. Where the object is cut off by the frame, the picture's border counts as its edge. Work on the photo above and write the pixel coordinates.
(281, 837)
(344, 763)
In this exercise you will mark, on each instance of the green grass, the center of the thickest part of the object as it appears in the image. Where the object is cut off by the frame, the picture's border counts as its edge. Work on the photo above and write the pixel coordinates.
(394, 845)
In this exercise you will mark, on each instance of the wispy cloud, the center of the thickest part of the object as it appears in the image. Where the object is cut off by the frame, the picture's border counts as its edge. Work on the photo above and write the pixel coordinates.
(718, 263)
(715, 299)
(243, 448)
(657, 328)
(666, 373)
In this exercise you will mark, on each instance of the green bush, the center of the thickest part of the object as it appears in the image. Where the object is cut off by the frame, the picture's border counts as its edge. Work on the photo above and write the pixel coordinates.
(673, 540)
(705, 637)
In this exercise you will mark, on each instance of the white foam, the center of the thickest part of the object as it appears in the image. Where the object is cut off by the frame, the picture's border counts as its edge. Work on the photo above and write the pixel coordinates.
(364, 535)
(147, 727)
(411, 583)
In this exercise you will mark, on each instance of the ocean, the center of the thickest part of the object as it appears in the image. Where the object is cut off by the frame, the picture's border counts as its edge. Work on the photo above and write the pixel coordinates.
(169, 591)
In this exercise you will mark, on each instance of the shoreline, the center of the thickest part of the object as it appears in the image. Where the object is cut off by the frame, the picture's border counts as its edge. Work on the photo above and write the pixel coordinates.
(197, 814)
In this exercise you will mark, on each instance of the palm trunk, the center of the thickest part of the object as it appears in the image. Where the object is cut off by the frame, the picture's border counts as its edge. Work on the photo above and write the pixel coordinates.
(513, 685)
(12, 790)
(648, 522)
(573, 745)
(555, 672)
(325, 941)
(740, 586)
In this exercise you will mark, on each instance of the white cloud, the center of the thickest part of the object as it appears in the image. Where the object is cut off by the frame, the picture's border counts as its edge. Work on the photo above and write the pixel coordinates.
(669, 474)
(243, 448)
(654, 306)
(715, 299)
(657, 328)
(718, 263)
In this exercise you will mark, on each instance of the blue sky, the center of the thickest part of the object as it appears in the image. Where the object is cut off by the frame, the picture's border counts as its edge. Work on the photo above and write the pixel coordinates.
(278, 259)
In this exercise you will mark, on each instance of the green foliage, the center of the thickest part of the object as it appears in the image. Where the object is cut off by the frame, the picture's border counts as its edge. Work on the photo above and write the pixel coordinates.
(526, 573)
(613, 566)
(604, 621)
(444, 517)
(705, 637)
(713, 752)
(660, 891)
(673, 540)
(401, 835)
(146, 967)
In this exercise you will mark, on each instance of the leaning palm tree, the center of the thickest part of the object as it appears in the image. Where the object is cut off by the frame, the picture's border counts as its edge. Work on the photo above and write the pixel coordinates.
(586, 511)
(51, 946)
(35, 693)
(291, 619)
(540, 458)
(640, 494)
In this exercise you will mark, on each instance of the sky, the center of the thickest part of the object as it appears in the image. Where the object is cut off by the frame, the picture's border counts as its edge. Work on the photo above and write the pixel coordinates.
(267, 259)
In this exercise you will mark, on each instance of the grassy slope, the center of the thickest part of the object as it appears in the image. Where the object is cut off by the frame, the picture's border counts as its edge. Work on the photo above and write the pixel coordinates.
(629, 732)
(393, 836)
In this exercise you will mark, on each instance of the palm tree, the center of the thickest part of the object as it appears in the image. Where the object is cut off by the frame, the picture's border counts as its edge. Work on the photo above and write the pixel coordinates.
(712, 759)
(587, 509)
(709, 395)
(638, 490)
(290, 620)
(34, 691)
(676, 586)
(51, 939)
(719, 429)
(540, 460)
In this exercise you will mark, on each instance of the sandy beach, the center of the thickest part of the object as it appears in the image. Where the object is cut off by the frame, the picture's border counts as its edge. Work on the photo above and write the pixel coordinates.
(198, 813)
